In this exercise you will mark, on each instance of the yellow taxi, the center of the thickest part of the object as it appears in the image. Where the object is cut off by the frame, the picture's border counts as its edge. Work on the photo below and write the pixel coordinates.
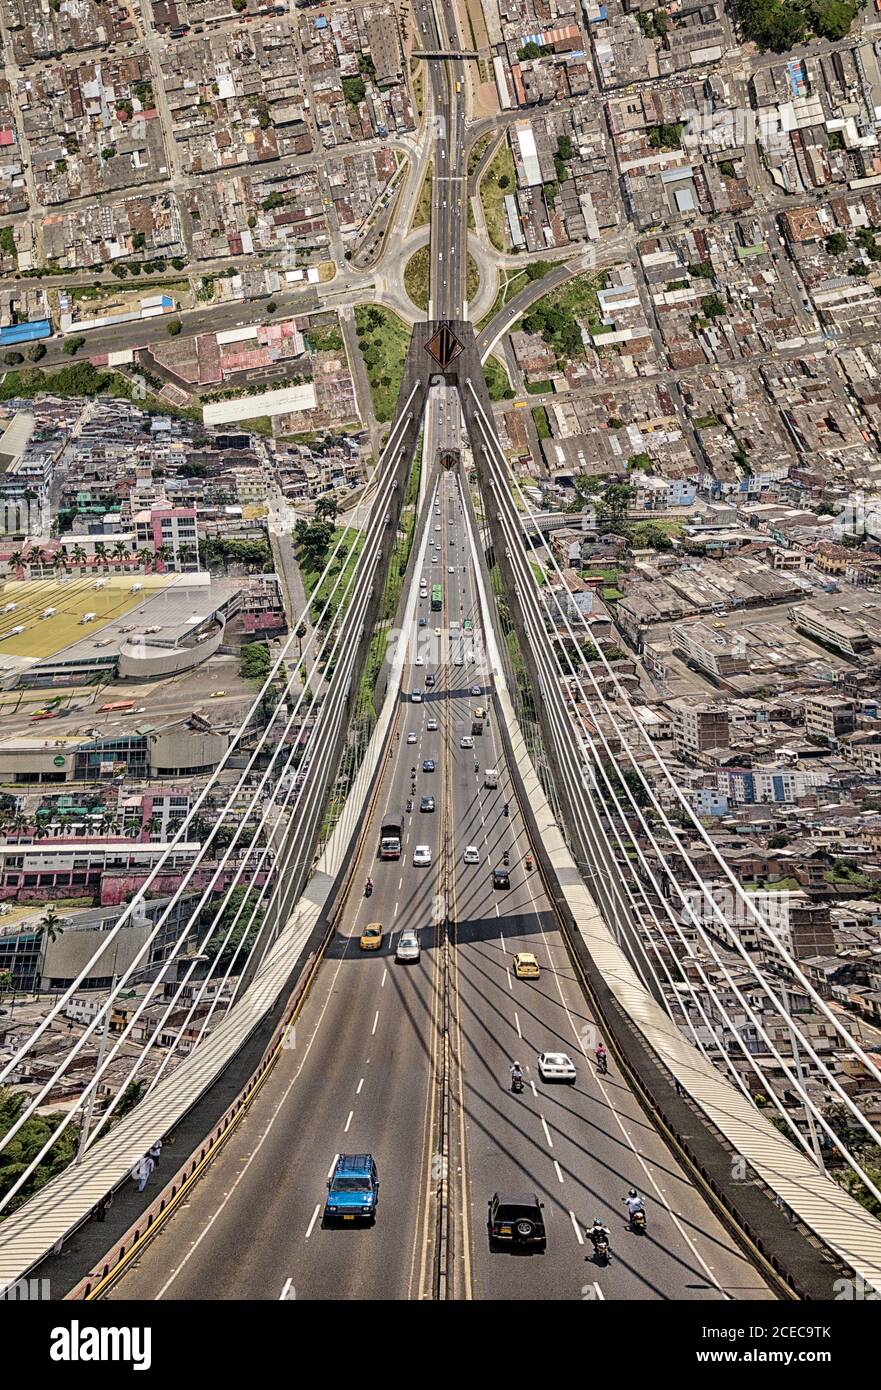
(217, 694)
(371, 937)
(526, 967)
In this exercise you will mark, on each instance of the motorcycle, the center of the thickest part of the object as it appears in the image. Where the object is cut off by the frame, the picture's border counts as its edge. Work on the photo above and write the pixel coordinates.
(505, 809)
(409, 804)
(637, 1221)
(602, 1063)
(368, 889)
(516, 1084)
(528, 861)
(600, 1243)
(505, 858)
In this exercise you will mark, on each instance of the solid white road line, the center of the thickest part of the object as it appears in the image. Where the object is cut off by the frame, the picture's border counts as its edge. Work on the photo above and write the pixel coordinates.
(282, 1298)
(312, 1222)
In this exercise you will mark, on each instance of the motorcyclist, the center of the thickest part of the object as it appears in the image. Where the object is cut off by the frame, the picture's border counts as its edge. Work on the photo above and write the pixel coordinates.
(516, 1075)
(602, 1059)
(635, 1204)
(598, 1231)
(505, 809)
(369, 885)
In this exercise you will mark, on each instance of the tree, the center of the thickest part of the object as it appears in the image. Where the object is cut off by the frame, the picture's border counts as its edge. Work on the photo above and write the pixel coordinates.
(326, 508)
(73, 345)
(713, 306)
(836, 244)
(354, 90)
(13, 359)
(255, 661)
(36, 352)
(79, 557)
(101, 554)
(271, 307)
(173, 327)
(28, 1143)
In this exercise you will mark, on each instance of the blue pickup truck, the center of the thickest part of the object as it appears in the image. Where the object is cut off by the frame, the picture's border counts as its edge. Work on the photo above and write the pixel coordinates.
(352, 1189)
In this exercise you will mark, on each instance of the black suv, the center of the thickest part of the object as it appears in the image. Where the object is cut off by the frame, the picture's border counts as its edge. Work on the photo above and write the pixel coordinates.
(516, 1220)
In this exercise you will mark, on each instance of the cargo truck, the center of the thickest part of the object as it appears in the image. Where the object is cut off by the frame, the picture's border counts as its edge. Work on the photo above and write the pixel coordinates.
(390, 837)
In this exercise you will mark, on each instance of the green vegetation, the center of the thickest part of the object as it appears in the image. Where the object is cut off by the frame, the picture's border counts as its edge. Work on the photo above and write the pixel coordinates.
(12, 359)
(27, 1144)
(558, 315)
(497, 383)
(836, 244)
(781, 24)
(540, 420)
(640, 463)
(324, 334)
(702, 268)
(478, 150)
(354, 90)
(422, 215)
(706, 422)
(416, 277)
(173, 327)
(313, 543)
(383, 339)
(72, 345)
(258, 424)
(7, 241)
(80, 380)
(492, 196)
(255, 662)
(666, 137)
(713, 306)
(727, 168)
(472, 278)
(217, 553)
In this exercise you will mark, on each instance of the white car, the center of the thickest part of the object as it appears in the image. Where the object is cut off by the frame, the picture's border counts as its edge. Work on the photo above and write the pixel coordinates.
(420, 661)
(416, 697)
(408, 945)
(466, 741)
(411, 738)
(437, 527)
(472, 854)
(450, 570)
(422, 859)
(458, 661)
(556, 1066)
(431, 726)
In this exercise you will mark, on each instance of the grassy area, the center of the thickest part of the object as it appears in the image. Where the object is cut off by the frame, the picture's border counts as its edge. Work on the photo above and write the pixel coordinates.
(383, 339)
(540, 420)
(538, 573)
(324, 334)
(557, 316)
(499, 180)
(417, 84)
(422, 215)
(497, 383)
(477, 152)
(416, 277)
(511, 282)
(775, 885)
(539, 388)
(472, 279)
(258, 424)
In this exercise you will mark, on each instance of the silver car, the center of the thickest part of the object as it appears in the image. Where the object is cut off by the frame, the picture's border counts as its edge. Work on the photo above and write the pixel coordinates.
(408, 946)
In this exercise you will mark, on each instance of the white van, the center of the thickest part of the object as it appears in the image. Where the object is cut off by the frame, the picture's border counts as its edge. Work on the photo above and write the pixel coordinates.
(491, 777)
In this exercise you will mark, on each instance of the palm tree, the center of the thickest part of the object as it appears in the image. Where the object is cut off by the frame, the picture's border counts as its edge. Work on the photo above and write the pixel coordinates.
(120, 552)
(80, 557)
(163, 555)
(145, 558)
(49, 930)
(15, 563)
(35, 556)
(59, 562)
(101, 555)
(20, 823)
(152, 824)
(108, 824)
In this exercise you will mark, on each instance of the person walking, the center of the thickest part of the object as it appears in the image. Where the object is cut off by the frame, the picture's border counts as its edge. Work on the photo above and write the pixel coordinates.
(154, 1152)
(142, 1170)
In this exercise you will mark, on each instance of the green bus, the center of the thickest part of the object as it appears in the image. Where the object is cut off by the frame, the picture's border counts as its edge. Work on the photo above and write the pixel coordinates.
(437, 598)
(467, 626)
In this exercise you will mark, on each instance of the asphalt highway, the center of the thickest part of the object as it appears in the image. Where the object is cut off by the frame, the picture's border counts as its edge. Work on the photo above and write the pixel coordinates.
(362, 1072)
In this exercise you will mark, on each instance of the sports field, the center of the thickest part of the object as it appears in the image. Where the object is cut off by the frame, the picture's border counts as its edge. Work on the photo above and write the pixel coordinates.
(72, 598)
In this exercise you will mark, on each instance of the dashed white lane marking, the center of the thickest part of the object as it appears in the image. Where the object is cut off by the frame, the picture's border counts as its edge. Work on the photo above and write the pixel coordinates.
(400, 882)
(287, 1285)
(395, 913)
(544, 1125)
(360, 1084)
(331, 1168)
(383, 980)
(348, 1122)
(534, 1091)
(510, 981)
(576, 1228)
(375, 1021)
(559, 1170)
(517, 1022)
(598, 1291)
(314, 1219)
